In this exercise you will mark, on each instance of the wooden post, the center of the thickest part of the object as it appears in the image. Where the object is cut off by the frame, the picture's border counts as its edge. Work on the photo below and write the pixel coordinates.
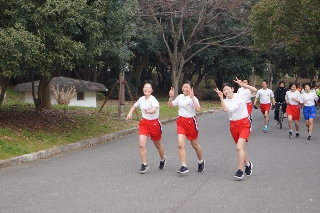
(121, 95)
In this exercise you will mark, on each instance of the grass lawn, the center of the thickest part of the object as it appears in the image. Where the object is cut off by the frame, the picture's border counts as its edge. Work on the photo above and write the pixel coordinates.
(22, 131)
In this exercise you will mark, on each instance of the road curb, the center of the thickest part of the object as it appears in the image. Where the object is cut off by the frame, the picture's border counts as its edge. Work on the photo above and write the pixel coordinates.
(43, 154)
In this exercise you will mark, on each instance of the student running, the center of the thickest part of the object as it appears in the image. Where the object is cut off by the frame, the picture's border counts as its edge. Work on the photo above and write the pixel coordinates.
(249, 101)
(309, 109)
(265, 95)
(293, 98)
(187, 125)
(149, 125)
(240, 125)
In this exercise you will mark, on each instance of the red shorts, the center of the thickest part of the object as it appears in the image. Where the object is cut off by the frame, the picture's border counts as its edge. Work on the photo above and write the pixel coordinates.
(187, 127)
(294, 111)
(249, 108)
(265, 107)
(150, 127)
(240, 129)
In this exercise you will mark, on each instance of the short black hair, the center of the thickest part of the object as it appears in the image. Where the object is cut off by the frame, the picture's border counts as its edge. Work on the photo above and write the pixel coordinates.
(226, 84)
(282, 82)
(188, 82)
(247, 79)
(264, 80)
(293, 83)
(149, 82)
(305, 84)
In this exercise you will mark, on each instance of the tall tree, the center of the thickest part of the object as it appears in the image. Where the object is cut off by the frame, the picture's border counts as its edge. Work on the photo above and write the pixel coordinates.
(180, 22)
(293, 23)
(20, 51)
(106, 34)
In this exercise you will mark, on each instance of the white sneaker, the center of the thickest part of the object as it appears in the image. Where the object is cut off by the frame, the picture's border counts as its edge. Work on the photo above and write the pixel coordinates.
(276, 123)
(284, 115)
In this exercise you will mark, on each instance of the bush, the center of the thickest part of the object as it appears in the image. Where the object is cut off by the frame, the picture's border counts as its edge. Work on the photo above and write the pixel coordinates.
(207, 95)
(100, 96)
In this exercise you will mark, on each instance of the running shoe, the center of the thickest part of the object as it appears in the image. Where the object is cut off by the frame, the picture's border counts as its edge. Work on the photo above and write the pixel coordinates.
(239, 174)
(144, 168)
(183, 170)
(290, 134)
(201, 166)
(309, 137)
(284, 115)
(276, 123)
(248, 169)
(297, 134)
(265, 129)
(163, 163)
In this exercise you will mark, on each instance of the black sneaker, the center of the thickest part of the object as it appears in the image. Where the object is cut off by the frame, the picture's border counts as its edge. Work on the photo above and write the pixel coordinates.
(144, 168)
(183, 170)
(297, 134)
(290, 134)
(163, 163)
(248, 170)
(239, 174)
(309, 137)
(201, 166)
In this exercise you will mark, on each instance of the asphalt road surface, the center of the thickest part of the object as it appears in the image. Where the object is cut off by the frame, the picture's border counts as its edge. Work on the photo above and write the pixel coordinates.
(106, 178)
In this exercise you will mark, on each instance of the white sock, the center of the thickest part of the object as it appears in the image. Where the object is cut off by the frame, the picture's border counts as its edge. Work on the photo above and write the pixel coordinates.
(185, 165)
(200, 161)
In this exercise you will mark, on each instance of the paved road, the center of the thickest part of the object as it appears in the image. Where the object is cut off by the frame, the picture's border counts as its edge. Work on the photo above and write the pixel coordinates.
(105, 177)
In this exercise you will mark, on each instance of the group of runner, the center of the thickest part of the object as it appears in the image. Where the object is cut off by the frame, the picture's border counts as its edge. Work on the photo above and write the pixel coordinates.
(187, 126)
(239, 108)
(292, 100)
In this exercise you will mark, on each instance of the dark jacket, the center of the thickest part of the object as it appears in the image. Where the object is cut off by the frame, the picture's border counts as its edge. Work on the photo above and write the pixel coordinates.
(279, 94)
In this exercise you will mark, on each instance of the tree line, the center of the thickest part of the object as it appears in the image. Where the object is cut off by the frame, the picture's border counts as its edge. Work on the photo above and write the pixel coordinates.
(177, 40)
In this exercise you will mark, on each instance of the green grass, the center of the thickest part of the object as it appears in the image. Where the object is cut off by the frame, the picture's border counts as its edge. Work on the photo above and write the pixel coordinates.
(18, 139)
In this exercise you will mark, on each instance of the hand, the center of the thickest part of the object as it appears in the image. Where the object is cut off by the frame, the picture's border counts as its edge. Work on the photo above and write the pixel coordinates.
(272, 107)
(239, 82)
(171, 92)
(254, 106)
(129, 116)
(147, 111)
(191, 94)
(220, 94)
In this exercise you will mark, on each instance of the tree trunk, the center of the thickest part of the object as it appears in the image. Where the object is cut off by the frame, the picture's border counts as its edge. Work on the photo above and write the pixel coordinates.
(200, 77)
(4, 85)
(45, 99)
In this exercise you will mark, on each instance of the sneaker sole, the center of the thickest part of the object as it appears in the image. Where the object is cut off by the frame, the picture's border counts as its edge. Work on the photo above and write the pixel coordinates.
(239, 178)
(183, 172)
(142, 172)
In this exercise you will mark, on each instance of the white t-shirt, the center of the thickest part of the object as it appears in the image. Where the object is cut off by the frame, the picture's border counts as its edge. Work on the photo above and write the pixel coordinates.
(249, 98)
(147, 105)
(293, 95)
(237, 106)
(186, 106)
(264, 95)
(309, 98)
